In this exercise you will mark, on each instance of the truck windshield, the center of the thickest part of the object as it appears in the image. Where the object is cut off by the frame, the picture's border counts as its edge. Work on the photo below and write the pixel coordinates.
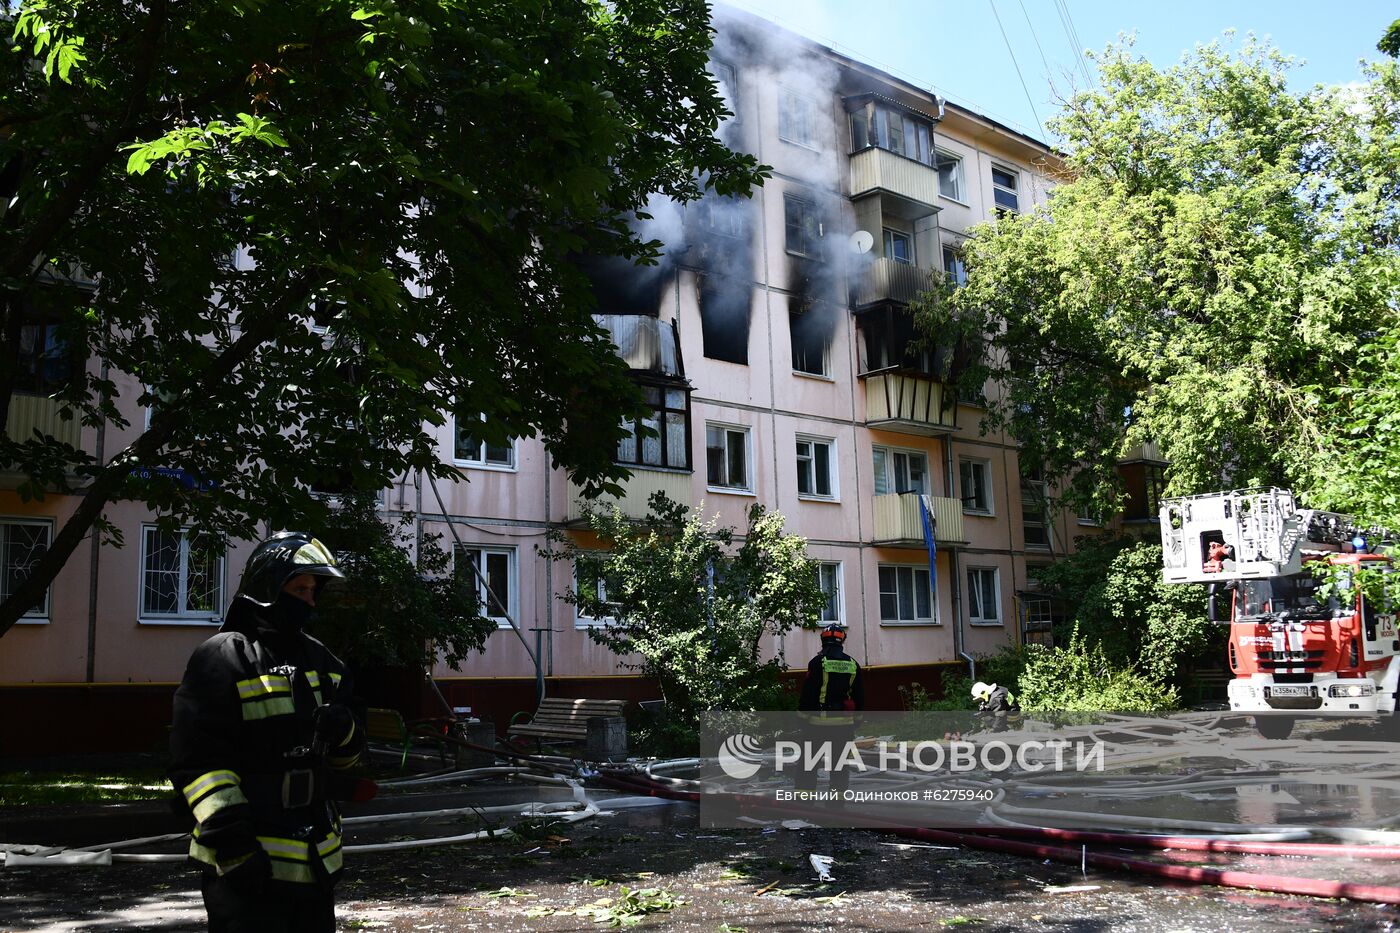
(1278, 596)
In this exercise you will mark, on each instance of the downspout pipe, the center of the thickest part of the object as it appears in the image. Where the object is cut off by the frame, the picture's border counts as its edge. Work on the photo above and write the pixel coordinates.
(959, 637)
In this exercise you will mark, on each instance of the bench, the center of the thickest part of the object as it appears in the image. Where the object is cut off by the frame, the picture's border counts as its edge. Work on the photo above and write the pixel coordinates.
(567, 720)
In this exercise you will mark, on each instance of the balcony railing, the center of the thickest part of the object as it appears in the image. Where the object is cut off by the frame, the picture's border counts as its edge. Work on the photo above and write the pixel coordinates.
(908, 403)
(638, 489)
(886, 280)
(914, 184)
(897, 520)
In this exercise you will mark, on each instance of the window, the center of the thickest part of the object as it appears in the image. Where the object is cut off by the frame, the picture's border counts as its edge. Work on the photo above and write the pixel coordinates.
(667, 441)
(724, 317)
(975, 478)
(899, 247)
(803, 229)
(830, 574)
(727, 457)
(1005, 185)
(472, 449)
(954, 267)
(45, 363)
(898, 471)
(597, 587)
(22, 544)
(892, 129)
(983, 596)
(811, 337)
(493, 581)
(796, 118)
(950, 175)
(1088, 516)
(1033, 509)
(816, 467)
(182, 574)
(1156, 481)
(723, 73)
(720, 215)
(905, 595)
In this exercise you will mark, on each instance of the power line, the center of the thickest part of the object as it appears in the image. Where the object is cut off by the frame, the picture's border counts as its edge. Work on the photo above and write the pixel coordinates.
(1072, 34)
(1035, 38)
(1015, 64)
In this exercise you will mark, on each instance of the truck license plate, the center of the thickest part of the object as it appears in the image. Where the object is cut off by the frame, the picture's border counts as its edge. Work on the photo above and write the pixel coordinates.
(1290, 691)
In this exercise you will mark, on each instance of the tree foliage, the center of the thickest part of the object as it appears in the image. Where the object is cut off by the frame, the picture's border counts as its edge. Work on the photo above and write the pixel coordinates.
(1211, 274)
(1080, 677)
(692, 601)
(392, 610)
(411, 176)
(1117, 600)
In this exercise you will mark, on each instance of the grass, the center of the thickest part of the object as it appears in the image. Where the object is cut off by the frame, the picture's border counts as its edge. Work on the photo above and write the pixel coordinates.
(20, 788)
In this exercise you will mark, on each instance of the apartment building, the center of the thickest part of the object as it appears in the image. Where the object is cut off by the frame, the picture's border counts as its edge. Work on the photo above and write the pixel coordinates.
(774, 344)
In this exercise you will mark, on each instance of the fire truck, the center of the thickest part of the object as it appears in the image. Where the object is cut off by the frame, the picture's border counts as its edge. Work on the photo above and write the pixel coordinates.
(1296, 649)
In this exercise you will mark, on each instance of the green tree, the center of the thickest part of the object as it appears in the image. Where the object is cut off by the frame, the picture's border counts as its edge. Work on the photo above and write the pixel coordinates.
(1219, 255)
(692, 601)
(391, 610)
(1116, 599)
(414, 175)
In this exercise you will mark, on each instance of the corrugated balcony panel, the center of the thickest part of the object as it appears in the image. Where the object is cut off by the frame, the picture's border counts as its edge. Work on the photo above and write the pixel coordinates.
(639, 487)
(883, 279)
(909, 403)
(28, 412)
(876, 171)
(897, 520)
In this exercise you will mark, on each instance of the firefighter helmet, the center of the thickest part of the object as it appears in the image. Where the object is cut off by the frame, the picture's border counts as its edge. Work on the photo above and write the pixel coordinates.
(834, 633)
(981, 691)
(278, 559)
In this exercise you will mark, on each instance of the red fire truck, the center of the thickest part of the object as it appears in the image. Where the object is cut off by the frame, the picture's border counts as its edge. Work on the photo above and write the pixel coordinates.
(1295, 649)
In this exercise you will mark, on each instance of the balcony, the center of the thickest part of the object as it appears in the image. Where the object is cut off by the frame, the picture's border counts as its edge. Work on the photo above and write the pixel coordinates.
(897, 521)
(28, 413)
(909, 403)
(638, 489)
(882, 280)
(910, 188)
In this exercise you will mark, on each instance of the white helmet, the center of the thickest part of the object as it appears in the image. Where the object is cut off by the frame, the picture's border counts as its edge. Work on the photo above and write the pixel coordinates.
(981, 691)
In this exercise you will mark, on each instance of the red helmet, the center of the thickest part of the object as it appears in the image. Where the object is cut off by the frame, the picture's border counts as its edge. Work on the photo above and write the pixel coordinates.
(834, 633)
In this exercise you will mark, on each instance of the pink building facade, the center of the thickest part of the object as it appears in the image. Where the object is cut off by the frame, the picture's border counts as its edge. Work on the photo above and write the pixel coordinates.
(774, 341)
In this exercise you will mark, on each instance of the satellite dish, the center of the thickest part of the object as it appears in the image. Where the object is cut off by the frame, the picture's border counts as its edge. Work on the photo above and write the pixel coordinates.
(862, 241)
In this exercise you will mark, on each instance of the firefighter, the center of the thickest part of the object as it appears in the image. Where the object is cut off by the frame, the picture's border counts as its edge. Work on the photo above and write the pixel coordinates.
(261, 727)
(995, 705)
(831, 695)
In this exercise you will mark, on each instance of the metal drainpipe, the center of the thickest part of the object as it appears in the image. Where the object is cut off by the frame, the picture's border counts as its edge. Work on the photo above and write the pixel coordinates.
(93, 562)
(959, 641)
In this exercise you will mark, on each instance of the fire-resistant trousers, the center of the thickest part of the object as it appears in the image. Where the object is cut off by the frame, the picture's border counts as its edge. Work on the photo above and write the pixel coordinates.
(271, 907)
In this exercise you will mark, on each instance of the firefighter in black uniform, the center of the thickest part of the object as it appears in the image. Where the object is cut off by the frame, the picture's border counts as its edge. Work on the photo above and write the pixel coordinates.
(261, 726)
(831, 696)
(996, 706)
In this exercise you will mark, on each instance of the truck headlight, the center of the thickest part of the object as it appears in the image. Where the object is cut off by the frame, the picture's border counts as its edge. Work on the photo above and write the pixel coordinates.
(1352, 690)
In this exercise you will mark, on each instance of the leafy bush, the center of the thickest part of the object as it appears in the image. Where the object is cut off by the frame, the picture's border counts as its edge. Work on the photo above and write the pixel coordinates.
(693, 601)
(1081, 677)
(1002, 668)
(1118, 600)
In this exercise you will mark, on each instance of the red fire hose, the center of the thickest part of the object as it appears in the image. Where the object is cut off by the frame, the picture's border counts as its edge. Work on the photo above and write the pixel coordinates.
(1277, 884)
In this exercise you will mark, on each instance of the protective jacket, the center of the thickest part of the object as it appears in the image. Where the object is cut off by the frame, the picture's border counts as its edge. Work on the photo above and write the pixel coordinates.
(833, 687)
(1000, 703)
(245, 754)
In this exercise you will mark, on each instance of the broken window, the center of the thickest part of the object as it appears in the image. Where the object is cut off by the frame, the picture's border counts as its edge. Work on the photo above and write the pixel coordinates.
(45, 361)
(724, 318)
(803, 229)
(811, 335)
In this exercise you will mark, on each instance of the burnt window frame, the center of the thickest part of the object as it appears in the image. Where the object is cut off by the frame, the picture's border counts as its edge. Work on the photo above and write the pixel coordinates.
(667, 415)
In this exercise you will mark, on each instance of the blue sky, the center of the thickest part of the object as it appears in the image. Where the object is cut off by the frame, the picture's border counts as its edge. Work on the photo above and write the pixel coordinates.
(957, 49)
